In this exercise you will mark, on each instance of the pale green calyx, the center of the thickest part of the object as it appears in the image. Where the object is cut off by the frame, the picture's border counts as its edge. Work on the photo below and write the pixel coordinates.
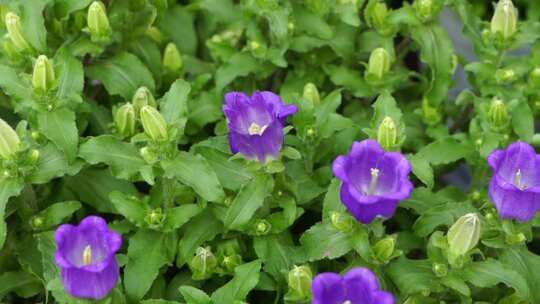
(9, 141)
(464, 234)
(379, 63)
(15, 33)
(342, 222)
(387, 133)
(311, 94)
(172, 59)
(43, 77)
(125, 120)
(375, 14)
(504, 19)
(154, 124)
(203, 263)
(143, 97)
(384, 248)
(498, 115)
(299, 280)
(98, 22)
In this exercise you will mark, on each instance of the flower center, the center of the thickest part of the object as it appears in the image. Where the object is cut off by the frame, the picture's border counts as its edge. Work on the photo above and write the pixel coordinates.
(87, 255)
(518, 180)
(347, 302)
(373, 185)
(255, 129)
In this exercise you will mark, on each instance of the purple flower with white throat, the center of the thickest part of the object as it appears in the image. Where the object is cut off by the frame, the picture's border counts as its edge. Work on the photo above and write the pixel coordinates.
(374, 181)
(256, 124)
(358, 286)
(515, 185)
(86, 257)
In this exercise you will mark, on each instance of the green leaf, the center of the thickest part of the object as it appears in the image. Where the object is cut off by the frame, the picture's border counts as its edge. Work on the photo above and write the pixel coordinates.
(178, 23)
(66, 7)
(12, 280)
(130, 207)
(59, 127)
(174, 105)
(422, 170)
(148, 251)
(199, 230)
(439, 215)
(526, 264)
(491, 272)
(123, 158)
(194, 171)
(413, 276)
(323, 241)
(350, 79)
(523, 121)
(278, 255)
(122, 75)
(247, 201)
(12, 84)
(71, 74)
(445, 151)
(194, 295)
(8, 187)
(52, 163)
(33, 24)
(176, 217)
(240, 64)
(55, 214)
(332, 201)
(246, 277)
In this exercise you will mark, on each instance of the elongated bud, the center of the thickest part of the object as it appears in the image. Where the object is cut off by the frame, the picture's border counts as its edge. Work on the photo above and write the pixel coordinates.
(15, 32)
(154, 124)
(43, 77)
(387, 134)
(33, 156)
(384, 248)
(504, 19)
(125, 120)
(498, 115)
(379, 64)
(203, 264)
(155, 34)
(262, 227)
(375, 14)
(342, 222)
(464, 234)
(98, 22)
(311, 94)
(155, 218)
(143, 97)
(299, 281)
(9, 141)
(172, 59)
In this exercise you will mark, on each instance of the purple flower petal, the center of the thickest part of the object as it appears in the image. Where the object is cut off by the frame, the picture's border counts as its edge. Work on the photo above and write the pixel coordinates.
(328, 288)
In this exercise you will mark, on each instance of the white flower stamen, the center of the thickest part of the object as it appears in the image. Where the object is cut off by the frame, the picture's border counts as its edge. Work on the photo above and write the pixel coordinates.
(87, 255)
(374, 178)
(255, 129)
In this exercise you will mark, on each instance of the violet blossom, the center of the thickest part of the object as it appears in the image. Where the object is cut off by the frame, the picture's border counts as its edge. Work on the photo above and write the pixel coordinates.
(86, 257)
(515, 185)
(358, 286)
(256, 124)
(374, 181)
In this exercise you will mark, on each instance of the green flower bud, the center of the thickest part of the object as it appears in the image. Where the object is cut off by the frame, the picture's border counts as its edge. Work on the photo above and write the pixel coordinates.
(498, 115)
(262, 227)
(229, 262)
(534, 76)
(515, 238)
(299, 281)
(98, 22)
(464, 234)
(143, 97)
(9, 141)
(431, 114)
(375, 14)
(36, 222)
(155, 34)
(342, 222)
(10, 50)
(384, 248)
(311, 93)
(33, 156)
(155, 218)
(424, 8)
(504, 76)
(387, 134)
(124, 120)
(154, 124)
(15, 32)
(379, 64)
(440, 270)
(43, 78)
(172, 59)
(203, 264)
(504, 19)
(148, 156)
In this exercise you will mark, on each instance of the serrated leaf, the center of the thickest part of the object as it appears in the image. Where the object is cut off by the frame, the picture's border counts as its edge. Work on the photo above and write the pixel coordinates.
(174, 105)
(194, 295)
(130, 207)
(523, 121)
(199, 230)
(322, 241)
(178, 216)
(491, 272)
(59, 127)
(55, 214)
(413, 276)
(246, 277)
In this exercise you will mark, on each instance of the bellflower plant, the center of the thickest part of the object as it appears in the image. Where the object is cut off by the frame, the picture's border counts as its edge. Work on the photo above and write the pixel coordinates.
(515, 185)
(358, 286)
(373, 181)
(86, 257)
(256, 124)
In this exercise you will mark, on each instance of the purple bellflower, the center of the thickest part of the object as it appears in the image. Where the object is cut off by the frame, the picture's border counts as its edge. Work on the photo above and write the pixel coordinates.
(515, 185)
(374, 181)
(86, 257)
(358, 286)
(256, 124)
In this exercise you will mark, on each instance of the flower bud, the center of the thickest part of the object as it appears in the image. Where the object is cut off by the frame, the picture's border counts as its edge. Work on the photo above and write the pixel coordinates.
(342, 222)
(14, 29)
(464, 234)
(154, 124)
(375, 14)
(504, 76)
(124, 120)
(379, 64)
(299, 281)
(98, 22)
(311, 94)
(504, 19)
(148, 156)
(384, 248)
(424, 8)
(387, 134)
(143, 97)
(229, 262)
(498, 114)
(9, 141)
(36, 222)
(515, 238)
(440, 270)
(172, 59)
(43, 78)
(33, 156)
(155, 34)
(203, 264)
(431, 114)
(262, 227)
(155, 218)
(534, 77)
